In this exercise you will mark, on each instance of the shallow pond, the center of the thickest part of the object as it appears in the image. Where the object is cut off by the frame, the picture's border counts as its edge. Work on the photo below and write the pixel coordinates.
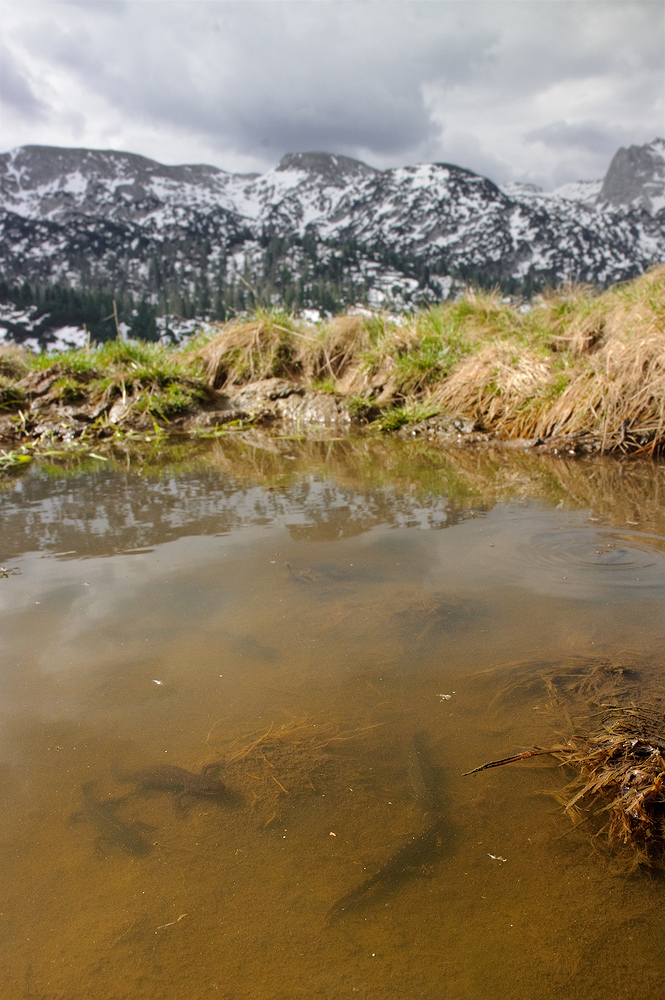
(336, 631)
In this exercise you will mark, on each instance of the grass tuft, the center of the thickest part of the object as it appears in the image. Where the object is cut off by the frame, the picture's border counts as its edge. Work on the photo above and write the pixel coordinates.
(263, 347)
(11, 395)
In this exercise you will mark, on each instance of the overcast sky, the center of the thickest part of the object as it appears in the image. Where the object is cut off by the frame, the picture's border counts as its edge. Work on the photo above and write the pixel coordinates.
(538, 90)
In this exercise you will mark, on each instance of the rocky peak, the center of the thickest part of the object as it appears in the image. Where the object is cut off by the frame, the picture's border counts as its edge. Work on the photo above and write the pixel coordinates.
(636, 178)
(41, 165)
(329, 167)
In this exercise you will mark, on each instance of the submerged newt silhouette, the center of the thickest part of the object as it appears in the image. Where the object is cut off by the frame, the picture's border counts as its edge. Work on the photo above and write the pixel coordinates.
(405, 862)
(111, 830)
(178, 780)
(420, 850)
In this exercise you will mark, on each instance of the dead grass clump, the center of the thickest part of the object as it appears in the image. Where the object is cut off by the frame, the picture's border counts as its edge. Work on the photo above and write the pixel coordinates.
(502, 387)
(606, 378)
(575, 318)
(367, 366)
(582, 320)
(340, 343)
(577, 364)
(618, 768)
(620, 776)
(263, 347)
(617, 394)
(583, 333)
(277, 765)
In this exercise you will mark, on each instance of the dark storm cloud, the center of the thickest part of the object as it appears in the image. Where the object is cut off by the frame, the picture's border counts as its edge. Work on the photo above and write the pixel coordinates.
(495, 85)
(289, 76)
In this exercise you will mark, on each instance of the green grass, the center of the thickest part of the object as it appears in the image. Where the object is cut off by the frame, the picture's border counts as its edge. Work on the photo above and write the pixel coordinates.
(11, 394)
(10, 460)
(68, 390)
(171, 400)
(81, 362)
(328, 385)
(360, 407)
(429, 361)
(403, 416)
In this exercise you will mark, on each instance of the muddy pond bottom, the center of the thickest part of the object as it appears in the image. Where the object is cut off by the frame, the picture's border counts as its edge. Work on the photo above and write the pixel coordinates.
(239, 693)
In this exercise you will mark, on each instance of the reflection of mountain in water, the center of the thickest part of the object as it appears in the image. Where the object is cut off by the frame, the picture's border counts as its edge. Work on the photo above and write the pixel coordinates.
(113, 512)
(317, 490)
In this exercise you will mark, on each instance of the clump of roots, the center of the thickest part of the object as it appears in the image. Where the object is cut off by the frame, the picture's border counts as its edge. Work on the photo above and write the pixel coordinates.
(617, 763)
(620, 774)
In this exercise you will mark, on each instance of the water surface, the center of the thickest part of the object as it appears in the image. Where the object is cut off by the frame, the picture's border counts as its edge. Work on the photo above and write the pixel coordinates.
(297, 613)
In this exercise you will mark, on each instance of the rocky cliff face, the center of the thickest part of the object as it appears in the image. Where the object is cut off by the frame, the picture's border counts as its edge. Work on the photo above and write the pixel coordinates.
(106, 219)
(636, 178)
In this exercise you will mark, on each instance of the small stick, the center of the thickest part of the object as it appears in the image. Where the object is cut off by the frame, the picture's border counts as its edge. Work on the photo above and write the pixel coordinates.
(207, 739)
(172, 922)
(509, 760)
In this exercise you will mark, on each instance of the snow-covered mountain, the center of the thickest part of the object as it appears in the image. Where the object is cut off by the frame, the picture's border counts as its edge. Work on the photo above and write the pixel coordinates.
(106, 219)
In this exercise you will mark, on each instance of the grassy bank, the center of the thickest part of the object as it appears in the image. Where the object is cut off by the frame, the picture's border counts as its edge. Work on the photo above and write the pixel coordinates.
(574, 363)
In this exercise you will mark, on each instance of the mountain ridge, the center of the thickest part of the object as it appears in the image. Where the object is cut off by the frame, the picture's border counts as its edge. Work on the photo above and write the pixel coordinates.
(323, 229)
(629, 171)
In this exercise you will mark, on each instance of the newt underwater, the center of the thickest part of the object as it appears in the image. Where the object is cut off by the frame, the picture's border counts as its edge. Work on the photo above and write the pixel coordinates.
(408, 859)
(178, 780)
(421, 849)
(111, 830)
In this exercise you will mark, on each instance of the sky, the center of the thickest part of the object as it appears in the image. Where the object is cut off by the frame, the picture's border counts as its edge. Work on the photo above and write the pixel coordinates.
(543, 91)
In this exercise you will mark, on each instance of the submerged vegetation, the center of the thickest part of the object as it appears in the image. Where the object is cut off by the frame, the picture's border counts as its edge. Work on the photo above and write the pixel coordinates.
(577, 367)
(613, 754)
(620, 772)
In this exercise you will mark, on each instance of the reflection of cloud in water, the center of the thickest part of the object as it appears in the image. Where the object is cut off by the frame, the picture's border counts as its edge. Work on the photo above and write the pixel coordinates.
(109, 513)
(61, 607)
(588, 562)
(205, 554)
(528, 546)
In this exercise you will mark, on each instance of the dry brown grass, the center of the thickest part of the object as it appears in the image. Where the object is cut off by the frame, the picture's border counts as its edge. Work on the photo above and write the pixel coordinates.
(617, 387)
(578, 364)
(273, 767)
(582, 320)
(340, 342)
(604, 375)
(14, 361)
(501, 387)
(617, 394)
(620, 775)
(352, 353)
(256, 349)
(574, 364)
(616, 765)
